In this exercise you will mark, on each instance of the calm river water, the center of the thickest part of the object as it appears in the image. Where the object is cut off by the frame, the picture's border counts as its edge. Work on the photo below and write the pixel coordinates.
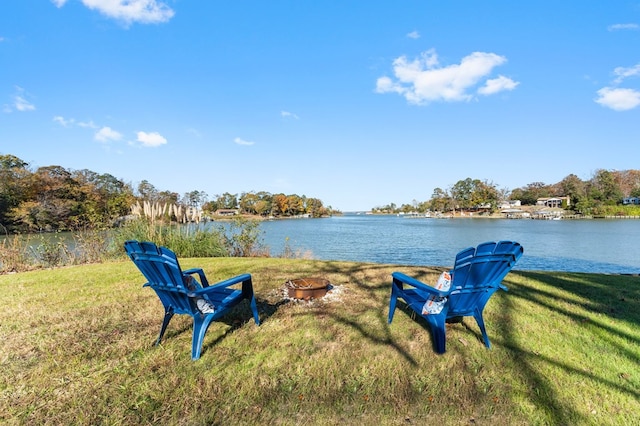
(598, 245)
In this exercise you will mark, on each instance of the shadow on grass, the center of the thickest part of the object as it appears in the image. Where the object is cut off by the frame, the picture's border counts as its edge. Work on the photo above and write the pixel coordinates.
(589, 294)
(601, 294)
(375, 281)
(576, 297)
(598, 295)
(236, 318)
(387, 339)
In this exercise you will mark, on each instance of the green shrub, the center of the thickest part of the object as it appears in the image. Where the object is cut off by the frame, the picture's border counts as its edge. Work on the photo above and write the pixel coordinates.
(52, 251)
(243, 239)
(191, 240)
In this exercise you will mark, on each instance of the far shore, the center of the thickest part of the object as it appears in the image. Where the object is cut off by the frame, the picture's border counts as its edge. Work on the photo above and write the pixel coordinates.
(525, 212)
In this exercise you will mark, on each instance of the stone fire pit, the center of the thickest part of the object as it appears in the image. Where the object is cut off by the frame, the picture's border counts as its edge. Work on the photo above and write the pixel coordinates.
(308, 288)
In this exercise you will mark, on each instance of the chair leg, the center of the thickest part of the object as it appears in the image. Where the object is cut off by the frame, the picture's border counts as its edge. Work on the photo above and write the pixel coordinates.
(480, 320)
(247, 293)
(254, 309)
(438, 331)
(200, 326)
(393, 300)
(168, 314)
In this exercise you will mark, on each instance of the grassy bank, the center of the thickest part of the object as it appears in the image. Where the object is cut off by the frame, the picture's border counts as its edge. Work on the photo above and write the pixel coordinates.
(76, 348)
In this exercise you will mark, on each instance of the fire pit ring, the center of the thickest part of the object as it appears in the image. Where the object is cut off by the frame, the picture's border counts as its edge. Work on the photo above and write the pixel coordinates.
(308, 288)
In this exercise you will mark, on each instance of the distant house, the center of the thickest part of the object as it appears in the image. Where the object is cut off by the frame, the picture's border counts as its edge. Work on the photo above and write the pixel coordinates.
(509, 204)
(226, 212)
(514, 213)
(511, 209)
(631, 200)
(554, 202)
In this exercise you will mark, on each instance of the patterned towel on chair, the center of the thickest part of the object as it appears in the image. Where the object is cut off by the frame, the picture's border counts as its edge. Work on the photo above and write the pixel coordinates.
(434, 303)
(203, 305)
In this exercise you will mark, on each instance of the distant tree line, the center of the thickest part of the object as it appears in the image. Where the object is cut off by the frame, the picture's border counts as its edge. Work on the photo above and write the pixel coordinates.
(53, 198)
(266, 204)
(602, 191)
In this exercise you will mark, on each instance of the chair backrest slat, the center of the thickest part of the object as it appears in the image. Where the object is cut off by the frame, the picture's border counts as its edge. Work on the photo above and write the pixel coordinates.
(160, 267)
(478, 272)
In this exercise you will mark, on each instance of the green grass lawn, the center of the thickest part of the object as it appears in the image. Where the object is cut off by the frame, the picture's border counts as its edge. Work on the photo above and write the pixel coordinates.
(77, 348)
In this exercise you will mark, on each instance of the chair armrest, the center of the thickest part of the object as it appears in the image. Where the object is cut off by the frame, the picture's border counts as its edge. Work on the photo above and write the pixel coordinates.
(405, 279)
(231, 281)
(221, 291)
(200, 272)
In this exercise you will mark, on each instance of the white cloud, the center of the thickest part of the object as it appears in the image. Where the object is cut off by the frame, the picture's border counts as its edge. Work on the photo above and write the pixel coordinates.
(287, 114)
(618, 99)
(622, 72)
(423, 80)
(59, 3)
(151, 140)
(107, 134)
(21, 104)
(386, 85)
(88, 124)
(414, 35)
(618, 27)
(62, 121)
(129, 11)
(496, 85)
(242, 142)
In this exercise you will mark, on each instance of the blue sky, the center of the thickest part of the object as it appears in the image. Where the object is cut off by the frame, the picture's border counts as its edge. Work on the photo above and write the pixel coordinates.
(358, 103)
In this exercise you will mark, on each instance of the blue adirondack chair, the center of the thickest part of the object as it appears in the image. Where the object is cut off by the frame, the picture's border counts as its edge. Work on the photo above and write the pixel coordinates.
(477, 274)
(179, 295)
